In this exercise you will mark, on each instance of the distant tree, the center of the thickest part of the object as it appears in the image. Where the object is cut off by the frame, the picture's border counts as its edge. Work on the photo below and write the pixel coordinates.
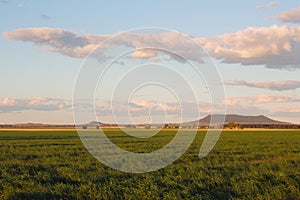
(84, 127)
(231, 125)
(97, 127)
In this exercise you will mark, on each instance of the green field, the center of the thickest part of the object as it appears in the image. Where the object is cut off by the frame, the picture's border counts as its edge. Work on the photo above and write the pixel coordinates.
(260, 164)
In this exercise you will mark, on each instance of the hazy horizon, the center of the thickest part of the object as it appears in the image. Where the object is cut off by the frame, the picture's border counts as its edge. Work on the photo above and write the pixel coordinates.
(130, 123)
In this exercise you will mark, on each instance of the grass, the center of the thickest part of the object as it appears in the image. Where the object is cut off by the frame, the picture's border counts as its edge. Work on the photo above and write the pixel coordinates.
(260, 164)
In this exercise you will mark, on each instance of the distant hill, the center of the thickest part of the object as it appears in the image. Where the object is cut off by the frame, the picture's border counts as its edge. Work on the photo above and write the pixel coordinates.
(218, 119)
(260, 119)
(241, 119)
(94, 123)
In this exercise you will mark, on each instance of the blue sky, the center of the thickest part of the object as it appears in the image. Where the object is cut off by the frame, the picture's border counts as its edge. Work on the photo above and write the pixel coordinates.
(37, 84)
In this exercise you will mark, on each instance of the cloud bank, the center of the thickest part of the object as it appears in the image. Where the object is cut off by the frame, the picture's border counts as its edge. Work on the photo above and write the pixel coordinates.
(48, 104)
(271, 85)
(143, 108)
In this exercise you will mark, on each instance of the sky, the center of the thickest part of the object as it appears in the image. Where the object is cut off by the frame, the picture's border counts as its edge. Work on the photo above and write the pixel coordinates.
(248, 48)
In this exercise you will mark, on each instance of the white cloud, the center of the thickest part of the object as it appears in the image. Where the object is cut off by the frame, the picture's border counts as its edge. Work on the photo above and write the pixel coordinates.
(143, 54)
(273, 47)
(59, 40)
(7, 102)
(271, 85)
(36, 103)
(271, 4)
(70, 44)
(290, 16)
(37, 100)
(139, 104)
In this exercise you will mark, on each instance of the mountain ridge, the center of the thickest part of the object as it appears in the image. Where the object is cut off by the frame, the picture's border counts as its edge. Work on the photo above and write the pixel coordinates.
(249, 119)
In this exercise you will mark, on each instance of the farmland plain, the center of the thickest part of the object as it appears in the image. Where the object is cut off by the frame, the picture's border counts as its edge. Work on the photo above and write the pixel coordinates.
(245, 164)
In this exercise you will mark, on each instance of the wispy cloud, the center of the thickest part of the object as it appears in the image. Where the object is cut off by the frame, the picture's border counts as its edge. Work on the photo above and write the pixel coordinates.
(20, 5)
(271, 85)
(4, 1)
(275, 47)
(289, 109)
(271, 4)
(291, 112)
(290, 16)
(45, 17)
(261, 99)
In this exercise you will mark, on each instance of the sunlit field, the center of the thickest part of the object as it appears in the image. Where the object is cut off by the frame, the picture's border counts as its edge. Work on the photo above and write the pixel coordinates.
(245, 164)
